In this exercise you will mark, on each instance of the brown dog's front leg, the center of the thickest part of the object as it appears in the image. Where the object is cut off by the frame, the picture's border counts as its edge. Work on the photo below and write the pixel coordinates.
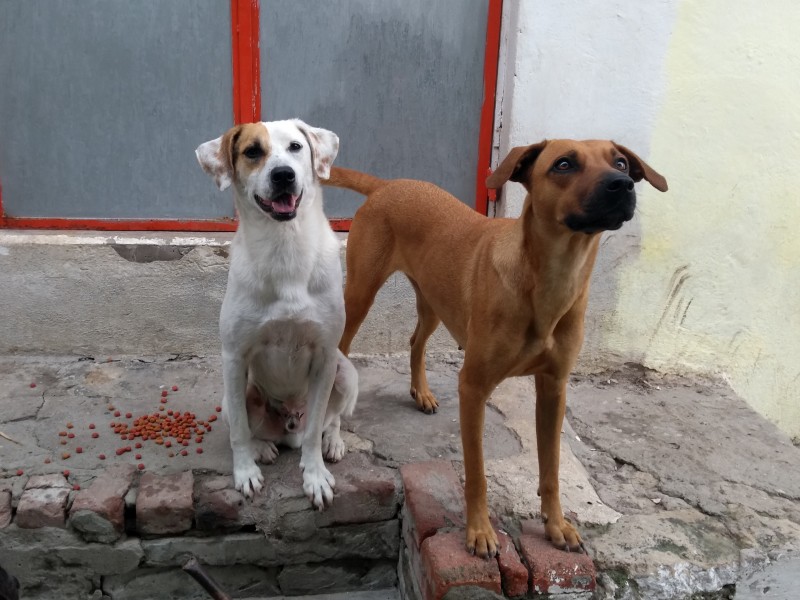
(472, 394)
(551, 401)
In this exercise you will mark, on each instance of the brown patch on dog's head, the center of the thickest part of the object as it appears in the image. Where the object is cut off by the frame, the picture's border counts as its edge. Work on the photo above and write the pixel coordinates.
(586, 186)
(235, 154)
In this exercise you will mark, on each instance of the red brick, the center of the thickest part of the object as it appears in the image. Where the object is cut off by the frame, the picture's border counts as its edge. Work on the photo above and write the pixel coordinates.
(165, 504)
(218, 506)
(5, 508)
(434, 497)
(98, 511)
(43, 502)
(446, 564)
(512, 571)
(365, 492)
(553, 570)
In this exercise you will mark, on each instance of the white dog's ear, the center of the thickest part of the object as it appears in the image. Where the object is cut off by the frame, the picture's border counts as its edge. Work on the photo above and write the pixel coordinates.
(324, 147)
(216, 157)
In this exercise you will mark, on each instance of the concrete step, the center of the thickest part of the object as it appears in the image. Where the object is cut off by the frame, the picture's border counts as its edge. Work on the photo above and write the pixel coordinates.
(389, 594)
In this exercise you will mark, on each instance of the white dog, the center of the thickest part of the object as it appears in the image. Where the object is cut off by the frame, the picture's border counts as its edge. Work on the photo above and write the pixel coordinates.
(283, 312)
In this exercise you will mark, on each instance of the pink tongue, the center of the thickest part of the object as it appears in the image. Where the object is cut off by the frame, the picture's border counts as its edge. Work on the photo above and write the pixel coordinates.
(284, 204)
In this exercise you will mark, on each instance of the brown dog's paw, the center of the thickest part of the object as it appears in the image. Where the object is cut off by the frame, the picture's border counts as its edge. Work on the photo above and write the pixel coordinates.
(425, 400)
(482, 541)
(563, 535)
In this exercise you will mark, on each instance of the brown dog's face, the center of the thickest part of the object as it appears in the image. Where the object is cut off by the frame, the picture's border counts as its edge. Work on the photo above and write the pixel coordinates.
(586, 186)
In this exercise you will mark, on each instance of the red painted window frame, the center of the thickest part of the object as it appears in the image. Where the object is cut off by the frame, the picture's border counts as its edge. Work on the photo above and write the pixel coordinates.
(247, 109)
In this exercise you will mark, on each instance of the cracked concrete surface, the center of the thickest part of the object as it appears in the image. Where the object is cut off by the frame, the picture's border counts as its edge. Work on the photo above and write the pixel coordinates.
(708, 489)
(677, 486)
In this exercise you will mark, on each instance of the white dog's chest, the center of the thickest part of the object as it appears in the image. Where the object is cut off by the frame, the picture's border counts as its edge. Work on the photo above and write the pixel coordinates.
(282, 355)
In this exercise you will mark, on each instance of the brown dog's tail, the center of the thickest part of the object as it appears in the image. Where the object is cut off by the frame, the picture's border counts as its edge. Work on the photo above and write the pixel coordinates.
(353, 180)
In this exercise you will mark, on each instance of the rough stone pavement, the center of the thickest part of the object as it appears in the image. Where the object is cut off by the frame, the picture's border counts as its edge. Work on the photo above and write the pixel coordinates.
(678, 487)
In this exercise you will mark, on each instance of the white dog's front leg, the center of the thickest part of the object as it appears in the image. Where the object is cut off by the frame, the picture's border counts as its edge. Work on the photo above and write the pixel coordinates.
(318, 483)
(247, 475)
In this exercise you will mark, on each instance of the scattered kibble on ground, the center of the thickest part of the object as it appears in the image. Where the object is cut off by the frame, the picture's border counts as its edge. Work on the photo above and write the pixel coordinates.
(174, 427)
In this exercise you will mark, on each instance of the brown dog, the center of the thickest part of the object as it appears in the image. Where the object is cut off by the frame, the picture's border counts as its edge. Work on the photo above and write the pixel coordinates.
(512, 292)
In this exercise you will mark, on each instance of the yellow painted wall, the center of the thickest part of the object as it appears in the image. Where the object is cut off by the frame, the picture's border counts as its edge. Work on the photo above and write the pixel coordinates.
(716, 286)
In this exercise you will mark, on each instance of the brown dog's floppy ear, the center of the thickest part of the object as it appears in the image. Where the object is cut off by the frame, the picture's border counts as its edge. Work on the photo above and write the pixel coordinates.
(216, 157)
(515, 166)
(641, 170)
(324, 147)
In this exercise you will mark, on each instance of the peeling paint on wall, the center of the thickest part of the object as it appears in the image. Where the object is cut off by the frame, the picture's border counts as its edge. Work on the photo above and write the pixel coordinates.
(716, 287)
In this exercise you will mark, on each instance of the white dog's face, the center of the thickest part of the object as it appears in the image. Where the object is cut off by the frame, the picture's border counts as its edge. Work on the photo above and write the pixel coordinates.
(271, 164)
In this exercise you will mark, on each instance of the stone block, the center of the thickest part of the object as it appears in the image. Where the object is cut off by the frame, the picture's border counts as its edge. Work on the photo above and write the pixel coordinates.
(42, 506)
(147, 584)
(552, 570)
(98, 511)
(369, 541)
(218, 506)
(513, 573)
(6, 511)
(446, 564)
(433, 497)
(164, 504)
(43, 482)
(40, 558)
(337, 577)
(365, 493)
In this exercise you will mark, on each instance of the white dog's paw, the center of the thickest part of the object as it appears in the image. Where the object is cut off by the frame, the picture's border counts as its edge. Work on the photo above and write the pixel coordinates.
(318, 484)
(333, 448)
(247, 476)
(265, 451)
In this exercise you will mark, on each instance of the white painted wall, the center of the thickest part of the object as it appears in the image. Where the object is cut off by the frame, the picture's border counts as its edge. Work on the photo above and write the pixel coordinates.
(706, 278)
(592, 69)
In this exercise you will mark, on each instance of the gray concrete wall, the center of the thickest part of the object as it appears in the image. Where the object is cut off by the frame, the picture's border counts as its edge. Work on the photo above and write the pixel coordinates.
(102, 103)
(145, 294)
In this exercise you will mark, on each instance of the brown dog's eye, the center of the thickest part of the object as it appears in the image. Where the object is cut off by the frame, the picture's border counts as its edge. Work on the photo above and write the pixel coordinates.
(621, 164)
(563, 164)
(295, 146)
(253, 151)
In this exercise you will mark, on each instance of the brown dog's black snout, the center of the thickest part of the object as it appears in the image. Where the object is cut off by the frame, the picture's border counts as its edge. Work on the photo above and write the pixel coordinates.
(612, 204)
(619, 183)
(282, 176)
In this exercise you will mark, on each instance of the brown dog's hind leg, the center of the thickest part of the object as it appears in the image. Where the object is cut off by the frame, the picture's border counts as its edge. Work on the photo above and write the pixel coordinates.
(368, 268)
(551, 400)
(427, 322)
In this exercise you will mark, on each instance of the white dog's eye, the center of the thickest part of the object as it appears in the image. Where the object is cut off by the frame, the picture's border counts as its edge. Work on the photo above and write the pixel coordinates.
(295, 146)
(253, 152)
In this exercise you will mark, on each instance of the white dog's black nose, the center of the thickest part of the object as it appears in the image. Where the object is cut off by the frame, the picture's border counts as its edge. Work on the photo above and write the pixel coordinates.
(282, 175)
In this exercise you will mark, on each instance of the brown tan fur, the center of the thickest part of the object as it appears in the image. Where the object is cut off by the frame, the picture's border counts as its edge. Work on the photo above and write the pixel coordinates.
(234, 142)
(512, 292)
